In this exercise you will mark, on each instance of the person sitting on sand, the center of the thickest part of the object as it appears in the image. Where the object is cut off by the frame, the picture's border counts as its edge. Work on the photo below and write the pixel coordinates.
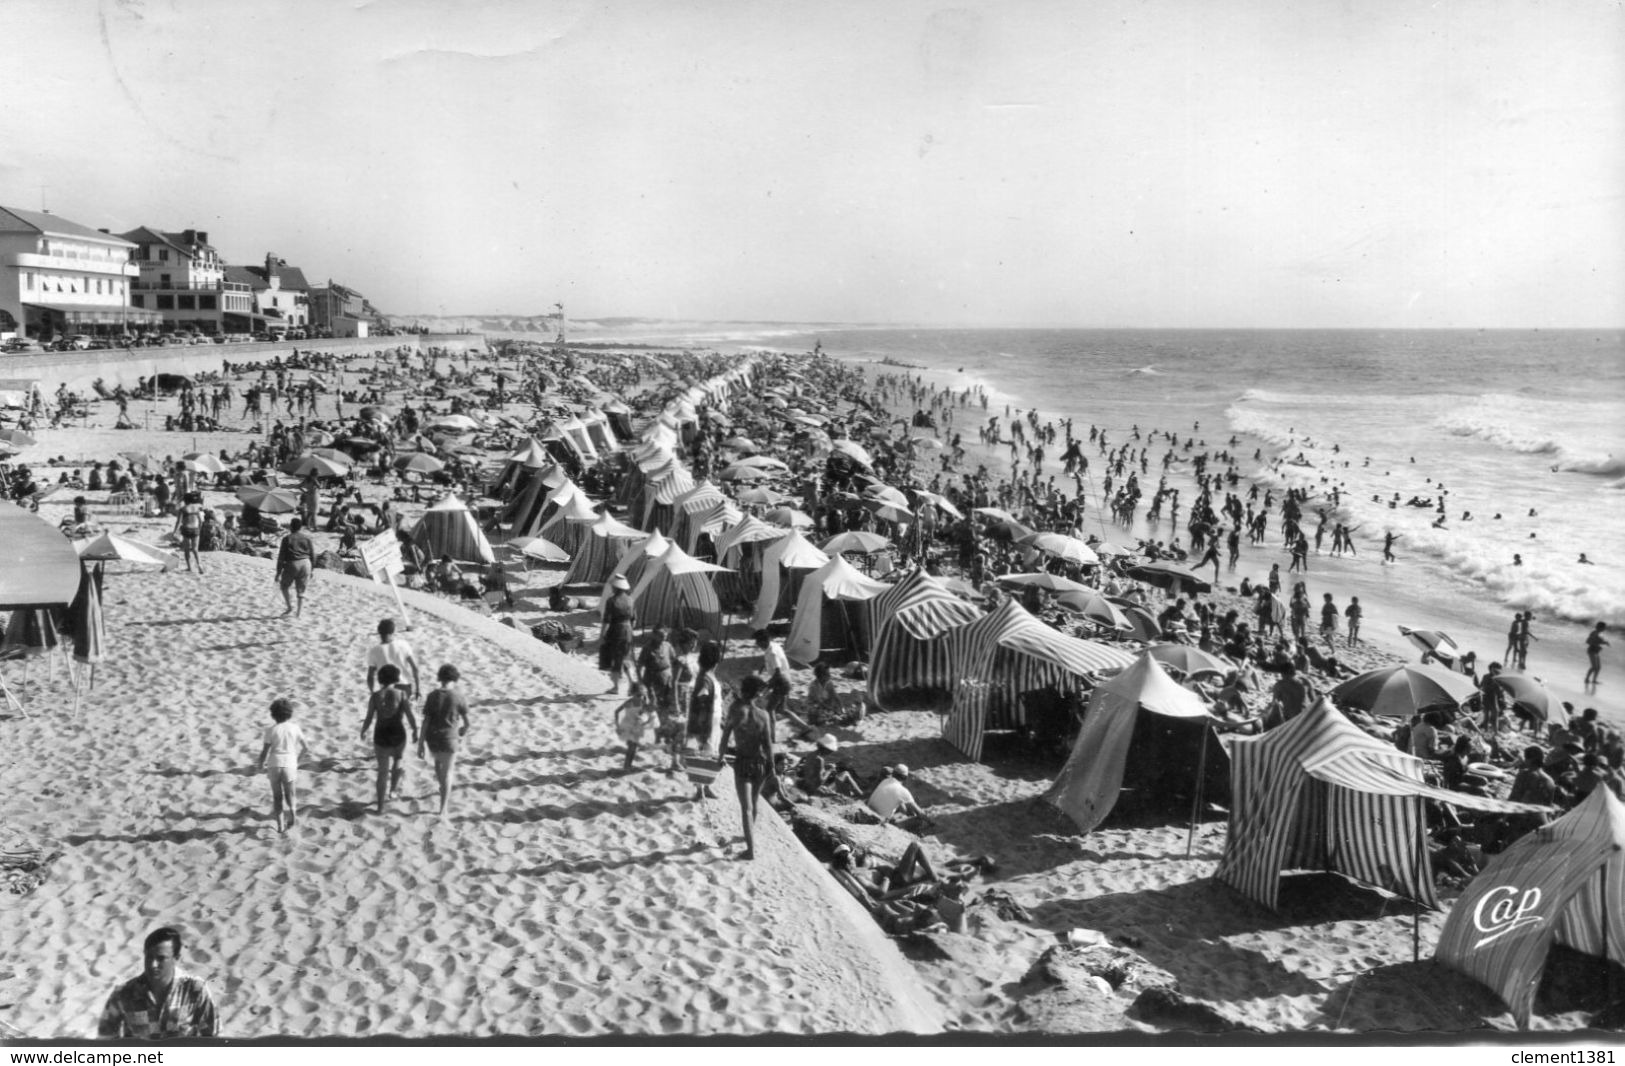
(1289, 698)
(390, 706)
(892, 798)
(279, 758)
(820, 775)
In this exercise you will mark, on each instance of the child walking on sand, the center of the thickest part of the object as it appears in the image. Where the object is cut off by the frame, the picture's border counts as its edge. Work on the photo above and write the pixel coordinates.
(284, 745)
(632, 722)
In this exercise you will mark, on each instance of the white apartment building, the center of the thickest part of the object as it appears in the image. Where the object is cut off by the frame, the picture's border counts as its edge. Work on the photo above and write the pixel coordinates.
(58, 277)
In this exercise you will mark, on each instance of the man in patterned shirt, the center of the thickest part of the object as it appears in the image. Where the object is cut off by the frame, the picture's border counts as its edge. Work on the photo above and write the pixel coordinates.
(164, 1002)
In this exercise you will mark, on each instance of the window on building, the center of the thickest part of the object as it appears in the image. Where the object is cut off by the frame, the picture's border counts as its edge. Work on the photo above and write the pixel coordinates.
(205, 303)
(166, 303)
(163, 279)
(187, 303)
(138, 300)
(163, 255)
(28, 280)
(98, 286)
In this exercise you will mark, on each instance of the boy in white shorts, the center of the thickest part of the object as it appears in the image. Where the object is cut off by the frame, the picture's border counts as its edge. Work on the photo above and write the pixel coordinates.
(284, 745)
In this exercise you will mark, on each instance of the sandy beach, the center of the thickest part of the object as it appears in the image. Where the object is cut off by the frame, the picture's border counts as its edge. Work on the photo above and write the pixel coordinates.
(564, 898)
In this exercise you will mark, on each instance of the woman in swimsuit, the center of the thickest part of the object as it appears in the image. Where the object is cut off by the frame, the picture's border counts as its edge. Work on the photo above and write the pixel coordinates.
(441, 733)
(391, 708)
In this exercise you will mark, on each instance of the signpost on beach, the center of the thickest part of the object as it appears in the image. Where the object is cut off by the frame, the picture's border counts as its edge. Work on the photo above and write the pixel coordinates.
(382, 556)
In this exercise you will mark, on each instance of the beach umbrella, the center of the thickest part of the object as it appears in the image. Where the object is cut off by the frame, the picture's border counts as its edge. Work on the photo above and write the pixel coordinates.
(541, 548)
(16, 438)
(1401, 691)
(1106, 547)
(854, 451)
(111, 546)
(1047, 582)
(889, 512)
(267, 499)
(1526, 692)
(88, 627)
(308, 465)
(741, 472)
(761, 497)
(960, 587)
(1061, 546)
(1146, 626)
(940, 502)
(317, 438)
(204, 462)
(1166, 575)
(764, 462)
(856, 541)
(997, 515)
(885, 494)
(418, 463)
(359, 444)
(1188, 659)
(1096, 608)
(1433, 641)
(373, 413)
(141, 459)
(741, 444)
(789, 517)
(454, 424)
(925, 442)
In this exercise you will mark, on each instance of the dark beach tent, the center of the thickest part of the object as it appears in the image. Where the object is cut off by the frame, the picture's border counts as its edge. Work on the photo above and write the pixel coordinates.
(910, 665)
(660, 499)
(740, 547)
(1008, 655)
(1563, 883)
(1317, 793)
(634, 560)
(449, 528)
(1146, 733)
(675, 591)
(170, 382)
(833, 615)
(690, 511)
(607, 539)
(572, 523)
(529, 497)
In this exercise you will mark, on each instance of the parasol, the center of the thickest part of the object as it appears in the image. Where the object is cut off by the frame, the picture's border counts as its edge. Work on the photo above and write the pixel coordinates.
(1401, 691)
(269, 500)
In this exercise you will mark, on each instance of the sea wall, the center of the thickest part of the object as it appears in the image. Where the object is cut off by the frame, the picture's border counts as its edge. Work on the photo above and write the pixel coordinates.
(77, 370)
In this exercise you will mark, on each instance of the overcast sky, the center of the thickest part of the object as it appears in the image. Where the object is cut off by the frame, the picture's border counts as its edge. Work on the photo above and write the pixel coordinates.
(1198, 163)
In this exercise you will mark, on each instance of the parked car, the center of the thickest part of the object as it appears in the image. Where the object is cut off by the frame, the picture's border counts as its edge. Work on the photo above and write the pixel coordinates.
(261, 335)
(296, 334)
(18, 345)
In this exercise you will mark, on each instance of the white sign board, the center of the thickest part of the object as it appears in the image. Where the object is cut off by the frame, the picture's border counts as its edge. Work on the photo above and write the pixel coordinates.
(382, 555)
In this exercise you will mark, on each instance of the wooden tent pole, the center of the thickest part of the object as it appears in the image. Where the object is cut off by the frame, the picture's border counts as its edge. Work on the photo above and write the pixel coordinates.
(1196, 801)
(1421, 843)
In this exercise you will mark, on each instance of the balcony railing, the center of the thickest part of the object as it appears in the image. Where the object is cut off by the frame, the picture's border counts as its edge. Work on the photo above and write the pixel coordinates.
(219, 286)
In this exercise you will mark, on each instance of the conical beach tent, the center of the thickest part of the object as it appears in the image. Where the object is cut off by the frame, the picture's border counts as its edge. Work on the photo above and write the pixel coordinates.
(832, 611)
(572, 523)
(635, 559)
(595, 559)
(910, 665)
(1143, 731)
(739, 547)
(1317, 793)
(1006, 655)
(785, 563)
(538, 516)
(675, 591)
(1562, 883)
(449, 528)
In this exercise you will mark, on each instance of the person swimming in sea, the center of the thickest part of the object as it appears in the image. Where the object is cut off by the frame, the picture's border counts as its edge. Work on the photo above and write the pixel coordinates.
(1584, 561)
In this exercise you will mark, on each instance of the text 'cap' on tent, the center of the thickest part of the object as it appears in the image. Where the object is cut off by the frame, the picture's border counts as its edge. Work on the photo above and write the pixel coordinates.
(1564, 882)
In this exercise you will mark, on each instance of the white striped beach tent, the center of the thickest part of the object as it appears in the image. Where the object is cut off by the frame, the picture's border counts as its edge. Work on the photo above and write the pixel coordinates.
(689, 509)
(662, 433)
(619, 417)
(528, 495)
(636, 558)
(785, 563)
(1317, 793)
(449, 528)
(555, 500)
(909, 665)
(833, 612)
(739, 547)
(646, 458)
(675, 591)
(711, 524)
(1143, 731)
(531, 455)
(1011, 653)
(600, 434)
(660, 499)
(1564, 882)
(572, 523)
(595, 558)
(570, 434)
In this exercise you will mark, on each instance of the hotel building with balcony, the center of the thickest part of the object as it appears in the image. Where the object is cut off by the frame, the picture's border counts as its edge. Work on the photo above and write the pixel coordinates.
(281, 293)
(184, 280)
(60, 278)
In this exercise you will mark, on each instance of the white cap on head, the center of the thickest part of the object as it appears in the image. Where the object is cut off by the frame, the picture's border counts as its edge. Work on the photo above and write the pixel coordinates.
(619, 582)
(829, 742)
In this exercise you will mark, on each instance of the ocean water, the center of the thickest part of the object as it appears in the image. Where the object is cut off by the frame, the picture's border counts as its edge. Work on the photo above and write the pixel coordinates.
(1506, 422)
